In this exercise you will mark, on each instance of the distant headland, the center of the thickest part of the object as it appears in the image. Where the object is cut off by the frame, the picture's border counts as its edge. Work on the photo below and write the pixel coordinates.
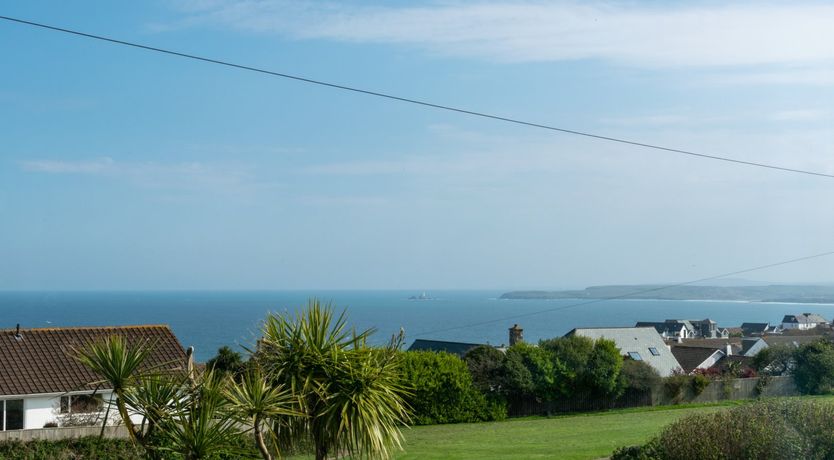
(771, 293)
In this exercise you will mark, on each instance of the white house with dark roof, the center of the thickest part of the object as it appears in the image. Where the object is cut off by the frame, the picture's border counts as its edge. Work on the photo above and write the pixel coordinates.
(803, 321)
(41, 384)
(637, 343)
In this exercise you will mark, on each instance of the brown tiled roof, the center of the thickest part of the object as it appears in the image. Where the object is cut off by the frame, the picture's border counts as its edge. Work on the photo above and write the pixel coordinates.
(691, 357)
(40, 361)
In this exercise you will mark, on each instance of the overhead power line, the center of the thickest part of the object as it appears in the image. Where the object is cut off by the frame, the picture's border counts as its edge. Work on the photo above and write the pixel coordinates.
(622, 296)
(417, 101)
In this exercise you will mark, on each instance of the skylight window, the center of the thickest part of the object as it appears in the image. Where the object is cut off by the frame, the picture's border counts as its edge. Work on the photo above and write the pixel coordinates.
(635, 356)
(654, 351)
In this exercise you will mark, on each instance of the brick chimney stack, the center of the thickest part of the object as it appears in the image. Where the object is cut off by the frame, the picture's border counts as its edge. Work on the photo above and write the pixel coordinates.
(516, 335)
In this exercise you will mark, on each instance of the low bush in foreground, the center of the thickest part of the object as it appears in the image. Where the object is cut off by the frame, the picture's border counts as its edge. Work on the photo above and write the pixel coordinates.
(88, 448)
(774, 429)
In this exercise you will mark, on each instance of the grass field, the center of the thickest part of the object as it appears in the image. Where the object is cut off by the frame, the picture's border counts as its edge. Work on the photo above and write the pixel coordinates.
(587, 436)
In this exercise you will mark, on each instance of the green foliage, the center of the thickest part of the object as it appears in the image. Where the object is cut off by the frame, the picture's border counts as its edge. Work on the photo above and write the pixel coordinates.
(351, 395)
(814, 367)
(227, 361)
(637, 375)
(572, 351)
(699, 383)
(443, 391)
(648, 451)
(487, 365)
(585, 367)
(254, 402)
(775, 360)
(118, 363)
(773, 429)
(540, 380)
(602, 372)
(88, 448)
(201, 426)
(674, 385)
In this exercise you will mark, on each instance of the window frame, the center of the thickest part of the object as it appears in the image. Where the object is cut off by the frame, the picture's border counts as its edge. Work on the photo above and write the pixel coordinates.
(654, 351)
(632, 354)
(4, 414)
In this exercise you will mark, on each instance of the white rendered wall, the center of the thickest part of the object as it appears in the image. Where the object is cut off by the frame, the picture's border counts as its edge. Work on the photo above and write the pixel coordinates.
(37, 411)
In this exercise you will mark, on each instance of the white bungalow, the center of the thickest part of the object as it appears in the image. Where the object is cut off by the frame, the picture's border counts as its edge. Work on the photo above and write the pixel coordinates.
(42, 385)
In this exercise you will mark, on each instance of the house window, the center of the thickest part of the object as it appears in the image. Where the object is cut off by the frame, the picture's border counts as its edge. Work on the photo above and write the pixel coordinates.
(635, 356)
(654, 351)
(11, 414)
(81, 404)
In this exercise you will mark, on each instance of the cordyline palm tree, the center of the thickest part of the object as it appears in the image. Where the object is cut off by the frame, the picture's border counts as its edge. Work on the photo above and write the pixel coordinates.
(154, 397)
(200, 426)
(118, 364)
(351, 395)
(257, 402)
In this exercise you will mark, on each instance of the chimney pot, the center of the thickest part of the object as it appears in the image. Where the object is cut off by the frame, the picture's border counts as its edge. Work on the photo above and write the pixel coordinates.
(516, 335)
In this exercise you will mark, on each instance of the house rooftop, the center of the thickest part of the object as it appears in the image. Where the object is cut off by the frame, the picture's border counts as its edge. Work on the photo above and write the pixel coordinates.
(692, 357)
(455, 348)
(39, 361)
(639, 343)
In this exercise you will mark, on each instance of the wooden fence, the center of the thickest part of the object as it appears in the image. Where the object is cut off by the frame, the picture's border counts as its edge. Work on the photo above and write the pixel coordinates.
(717, 390)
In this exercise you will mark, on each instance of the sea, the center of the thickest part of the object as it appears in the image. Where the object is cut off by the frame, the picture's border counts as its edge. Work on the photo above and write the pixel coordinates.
(208, 320)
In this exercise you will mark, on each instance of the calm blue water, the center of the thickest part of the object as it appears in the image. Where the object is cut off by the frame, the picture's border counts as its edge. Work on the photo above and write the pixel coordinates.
(208, 320)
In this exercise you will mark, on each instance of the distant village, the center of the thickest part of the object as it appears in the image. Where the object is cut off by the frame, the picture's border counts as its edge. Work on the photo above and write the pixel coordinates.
(681, 345)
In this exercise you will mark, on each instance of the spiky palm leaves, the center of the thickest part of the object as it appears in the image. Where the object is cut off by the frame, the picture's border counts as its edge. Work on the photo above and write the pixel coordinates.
(201, 425)
(350, 393)
(117, 363)
(258, 403)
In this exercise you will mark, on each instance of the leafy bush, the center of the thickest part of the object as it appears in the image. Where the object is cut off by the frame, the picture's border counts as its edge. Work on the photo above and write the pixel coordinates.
(487, 366)
(674, 385)
(87, 448)
(699, 383)
(814, 367)
(773, 429)
(648, 451)
(442, 390)
(638, 375)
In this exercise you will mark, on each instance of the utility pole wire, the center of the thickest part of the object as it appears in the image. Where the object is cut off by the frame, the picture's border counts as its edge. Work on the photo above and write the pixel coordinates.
(419, 102)
(623, 296)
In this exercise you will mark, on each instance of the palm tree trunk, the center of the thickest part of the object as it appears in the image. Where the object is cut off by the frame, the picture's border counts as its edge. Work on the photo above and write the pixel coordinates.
(126, 419)
(321, 452)
(259, 440)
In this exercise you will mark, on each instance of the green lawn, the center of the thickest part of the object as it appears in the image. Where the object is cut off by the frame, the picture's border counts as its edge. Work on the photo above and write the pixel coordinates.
(586, 436)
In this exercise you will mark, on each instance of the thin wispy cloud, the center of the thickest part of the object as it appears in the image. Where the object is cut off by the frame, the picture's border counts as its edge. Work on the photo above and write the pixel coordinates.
(648, 35)
(180, 175)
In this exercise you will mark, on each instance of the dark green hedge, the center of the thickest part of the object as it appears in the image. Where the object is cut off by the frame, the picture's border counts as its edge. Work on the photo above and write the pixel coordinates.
(442, 390)
(90, 448)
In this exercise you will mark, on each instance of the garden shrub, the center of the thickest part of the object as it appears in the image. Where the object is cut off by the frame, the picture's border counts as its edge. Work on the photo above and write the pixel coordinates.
(442, 390)
(637, 375)
(674, 385)
(699, 383)
(765, 430)
(814, 367)
(87, 448)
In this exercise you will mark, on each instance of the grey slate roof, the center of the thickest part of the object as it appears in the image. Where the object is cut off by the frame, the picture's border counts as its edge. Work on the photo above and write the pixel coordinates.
(670, 329)
(804, 318)
(636, 340)
(754, 328)
(455, 348)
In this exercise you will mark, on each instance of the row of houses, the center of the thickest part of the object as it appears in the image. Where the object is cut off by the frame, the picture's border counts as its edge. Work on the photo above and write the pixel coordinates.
(42, 385)
(679, 345)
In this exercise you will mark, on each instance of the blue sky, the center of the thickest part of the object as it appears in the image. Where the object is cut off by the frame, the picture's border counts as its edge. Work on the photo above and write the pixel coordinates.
(124, 169)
